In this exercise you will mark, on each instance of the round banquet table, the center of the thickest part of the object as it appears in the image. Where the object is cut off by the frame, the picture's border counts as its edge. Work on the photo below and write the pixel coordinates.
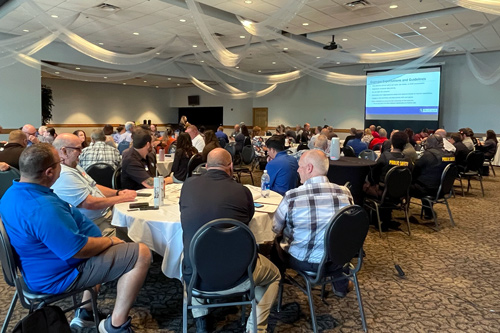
(161, 229)
(353, 170)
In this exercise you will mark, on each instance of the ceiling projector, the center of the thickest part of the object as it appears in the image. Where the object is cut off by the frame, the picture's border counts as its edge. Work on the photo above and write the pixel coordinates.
(332, 45)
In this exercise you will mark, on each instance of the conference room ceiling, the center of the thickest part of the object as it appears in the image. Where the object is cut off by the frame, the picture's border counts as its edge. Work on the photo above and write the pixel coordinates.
(137, 25)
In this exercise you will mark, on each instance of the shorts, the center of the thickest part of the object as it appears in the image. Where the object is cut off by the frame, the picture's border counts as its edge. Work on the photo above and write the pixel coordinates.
(107, 266)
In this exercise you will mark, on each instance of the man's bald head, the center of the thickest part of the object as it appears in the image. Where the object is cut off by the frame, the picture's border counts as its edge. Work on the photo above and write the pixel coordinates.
(312, 163)
(441, 132)
(19, 137)
(29, 129)
(66, 140)
(218, 158)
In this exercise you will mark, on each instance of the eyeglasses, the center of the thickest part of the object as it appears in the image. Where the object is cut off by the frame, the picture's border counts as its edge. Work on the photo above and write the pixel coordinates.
(76, 148)
(50, 166)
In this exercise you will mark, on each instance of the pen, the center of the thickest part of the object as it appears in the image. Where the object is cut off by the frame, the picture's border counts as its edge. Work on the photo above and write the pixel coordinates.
(132, 210)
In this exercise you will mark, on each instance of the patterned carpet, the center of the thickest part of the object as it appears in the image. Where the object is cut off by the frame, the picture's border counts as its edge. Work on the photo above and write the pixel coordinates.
(451, 282)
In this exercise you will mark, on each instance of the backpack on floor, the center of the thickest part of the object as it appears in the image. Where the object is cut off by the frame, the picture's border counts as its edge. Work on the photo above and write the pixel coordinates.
(49, 319)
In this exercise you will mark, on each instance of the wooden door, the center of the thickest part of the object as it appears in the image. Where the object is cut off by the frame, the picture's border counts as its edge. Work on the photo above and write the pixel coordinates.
(260, 118)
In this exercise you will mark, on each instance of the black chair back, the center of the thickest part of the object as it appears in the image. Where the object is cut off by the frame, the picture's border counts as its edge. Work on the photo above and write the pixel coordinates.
(475, 161)
(397, 184)
(368, 154)
(302, 146)
(122, 146)
(194, 161)
(450, 173)
(349, 151)
(345, 235)
(222, 252)
(6, 178)
(172, 148)
(231, 148)
(200, 170)
(7, 257)
(117, 179)
(222, 142)
(247, 155)
(102, 173)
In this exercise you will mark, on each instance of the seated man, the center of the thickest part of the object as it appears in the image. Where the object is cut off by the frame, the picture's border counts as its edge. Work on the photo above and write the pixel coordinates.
(227, 199)
(30, 132)
(461, 151)
(99, 152)
(304, 213)
(138, 164)
(357, 145)
(127, 135)
(429, 168)
(378, 141)
(60, 250)
(196, 138)
(282, 168)
(77, 188)
(12, 150)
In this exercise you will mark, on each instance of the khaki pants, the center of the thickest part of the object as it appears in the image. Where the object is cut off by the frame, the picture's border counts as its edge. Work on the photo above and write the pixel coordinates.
(266, 277)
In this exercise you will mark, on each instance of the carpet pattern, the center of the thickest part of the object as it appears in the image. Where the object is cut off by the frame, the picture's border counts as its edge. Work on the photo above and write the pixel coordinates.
(450, 284)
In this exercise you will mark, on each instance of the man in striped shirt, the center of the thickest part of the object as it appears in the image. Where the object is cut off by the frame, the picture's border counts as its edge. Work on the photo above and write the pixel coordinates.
(302, 216)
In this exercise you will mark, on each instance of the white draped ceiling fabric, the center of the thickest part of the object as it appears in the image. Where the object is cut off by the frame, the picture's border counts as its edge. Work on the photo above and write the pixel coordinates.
(219, 58)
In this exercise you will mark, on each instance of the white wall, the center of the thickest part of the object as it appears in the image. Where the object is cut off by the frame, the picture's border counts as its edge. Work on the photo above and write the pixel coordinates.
(20, 97)
(77, 102)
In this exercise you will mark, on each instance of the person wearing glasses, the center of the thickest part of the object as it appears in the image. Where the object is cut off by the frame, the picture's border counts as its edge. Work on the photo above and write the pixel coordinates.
(77, 188)
(66, 251)
(31, 134)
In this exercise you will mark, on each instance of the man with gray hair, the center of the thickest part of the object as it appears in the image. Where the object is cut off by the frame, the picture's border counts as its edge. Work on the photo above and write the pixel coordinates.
(303, 215)
(448, 146)
(99, 152)
(129, 129)
(378, 141)
(77, 188)
(227, 199)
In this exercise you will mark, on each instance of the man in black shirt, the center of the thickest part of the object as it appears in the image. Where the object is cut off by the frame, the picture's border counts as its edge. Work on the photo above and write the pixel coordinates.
(12, 150)
(138, 164)
(216, 195)
(461, 151)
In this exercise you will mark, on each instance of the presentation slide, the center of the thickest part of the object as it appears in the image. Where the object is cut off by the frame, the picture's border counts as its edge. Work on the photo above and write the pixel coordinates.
(403, 95)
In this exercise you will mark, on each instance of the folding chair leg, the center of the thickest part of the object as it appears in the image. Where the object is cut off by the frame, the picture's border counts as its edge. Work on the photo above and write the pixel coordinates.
(481, 182)
(243, 312)
(280, 294)
(449, 212)
(9, 313)
(492, 169)
(254, 314)
(378, 220)
(360, 302)
(184, 311)
(406, 208)
(462, 186)
(93, 299)
(311, 306)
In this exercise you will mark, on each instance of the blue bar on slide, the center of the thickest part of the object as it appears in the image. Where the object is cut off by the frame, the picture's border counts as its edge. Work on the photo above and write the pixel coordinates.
(422, 110)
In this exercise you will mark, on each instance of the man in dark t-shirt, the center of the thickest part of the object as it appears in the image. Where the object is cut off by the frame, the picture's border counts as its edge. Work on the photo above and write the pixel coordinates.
(138, 163)
(12, 150)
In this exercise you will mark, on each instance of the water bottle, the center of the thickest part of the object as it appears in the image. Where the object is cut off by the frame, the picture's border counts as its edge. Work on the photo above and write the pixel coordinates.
(161, 155)
(264, 185)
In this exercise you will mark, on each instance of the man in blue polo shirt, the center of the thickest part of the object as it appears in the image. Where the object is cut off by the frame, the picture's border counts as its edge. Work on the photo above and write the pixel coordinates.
(282, 168)
(61, 250)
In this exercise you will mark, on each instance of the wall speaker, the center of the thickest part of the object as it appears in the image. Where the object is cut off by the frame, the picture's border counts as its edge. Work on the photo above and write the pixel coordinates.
(194, 100)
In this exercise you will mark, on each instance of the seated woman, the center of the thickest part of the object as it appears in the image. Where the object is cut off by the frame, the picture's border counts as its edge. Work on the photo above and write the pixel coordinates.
(182, 155)
(489, 147)
(242, 139)
(211, 142)
(168, 139)
(83, 137)
(258, 142)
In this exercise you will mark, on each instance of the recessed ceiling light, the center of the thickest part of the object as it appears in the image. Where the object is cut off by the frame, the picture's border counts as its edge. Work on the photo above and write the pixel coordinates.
(178, 84)
(246, 22)
(393, 6)
(182, 20)
(54, 16)
(124, 84)
(374, 50)
(423, 27)
(274, 62)
(136, 33)
(338, 62)
(259, 71)
(101, 43)
(237, 66)
(26, 30)
(248, 2)
(305, 24)
(56, 72)
(157, 53)
(318, 57)
(285, 49)
(77, 68)
(157, 87)
(242, 37)
(145, 81)
(195, 45)
(105, 77)
(202, 61)
(344, 39)
(169, 78)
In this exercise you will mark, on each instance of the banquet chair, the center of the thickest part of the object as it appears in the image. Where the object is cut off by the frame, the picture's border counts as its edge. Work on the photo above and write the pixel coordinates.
(31, 300)
(122, 146)
(117, 179)
(348, 151)
(368, 154)
(6, 178)
(221, 267)
(443, 193)
(302, 146)
(222, 142)
(473, 168)
(194, 161)
(344, 238)
(172, 148)
(201, 169)
(246, 164)
(489, 160)
(396, 195)
(231, 148)
(102, 173)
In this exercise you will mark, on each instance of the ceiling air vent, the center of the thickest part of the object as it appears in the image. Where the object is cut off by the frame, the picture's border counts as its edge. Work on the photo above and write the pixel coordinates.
(107, 7)
(219, 35)
(408, 34)
(357, 5)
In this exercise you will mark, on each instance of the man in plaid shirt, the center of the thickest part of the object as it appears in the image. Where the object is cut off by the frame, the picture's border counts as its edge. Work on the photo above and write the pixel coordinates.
(99, 152)
(303, 214)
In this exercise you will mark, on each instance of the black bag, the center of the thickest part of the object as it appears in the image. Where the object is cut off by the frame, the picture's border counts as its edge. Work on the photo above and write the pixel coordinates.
(49, 319)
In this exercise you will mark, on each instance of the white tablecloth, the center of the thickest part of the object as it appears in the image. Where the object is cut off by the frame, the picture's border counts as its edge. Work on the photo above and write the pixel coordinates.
(164, 167)
(496, 159)
(161, 229)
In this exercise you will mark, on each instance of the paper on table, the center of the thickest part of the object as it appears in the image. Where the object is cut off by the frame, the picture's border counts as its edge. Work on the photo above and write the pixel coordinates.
(267, 209)
(255, 191)
(273, 198)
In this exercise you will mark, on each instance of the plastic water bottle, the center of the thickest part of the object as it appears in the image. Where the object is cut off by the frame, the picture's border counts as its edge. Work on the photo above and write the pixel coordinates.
(161, 155)
(264, 184)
